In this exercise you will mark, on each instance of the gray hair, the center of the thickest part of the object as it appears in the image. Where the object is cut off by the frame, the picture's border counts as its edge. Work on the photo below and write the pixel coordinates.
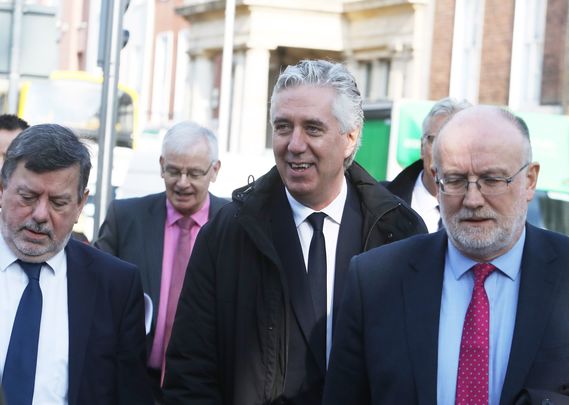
(445, 107)
(46, 148)
(185, 134)
(347, 106)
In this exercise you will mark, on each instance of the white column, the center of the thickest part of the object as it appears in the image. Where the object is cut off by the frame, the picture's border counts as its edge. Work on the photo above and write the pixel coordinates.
(237, 100)
(255, 101)
(201, 85)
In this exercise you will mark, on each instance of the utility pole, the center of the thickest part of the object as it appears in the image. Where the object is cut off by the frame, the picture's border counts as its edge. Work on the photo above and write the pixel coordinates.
(15, 43)
(112, 36)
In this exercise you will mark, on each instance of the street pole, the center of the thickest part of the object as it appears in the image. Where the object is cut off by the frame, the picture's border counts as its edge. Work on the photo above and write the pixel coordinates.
(107, 134)
(15, 42)
(226, 76)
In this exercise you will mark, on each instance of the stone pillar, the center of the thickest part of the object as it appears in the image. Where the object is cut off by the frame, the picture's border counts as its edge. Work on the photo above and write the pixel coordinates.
(201, 87)
(255, 101)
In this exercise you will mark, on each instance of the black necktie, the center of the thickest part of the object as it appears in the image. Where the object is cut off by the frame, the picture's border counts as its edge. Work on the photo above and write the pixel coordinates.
(317, 276)
(440, 223)
(21, 359)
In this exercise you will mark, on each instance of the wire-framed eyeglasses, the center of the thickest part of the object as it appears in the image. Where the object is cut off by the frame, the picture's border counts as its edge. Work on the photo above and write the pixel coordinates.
(487, 185)
(173, 173)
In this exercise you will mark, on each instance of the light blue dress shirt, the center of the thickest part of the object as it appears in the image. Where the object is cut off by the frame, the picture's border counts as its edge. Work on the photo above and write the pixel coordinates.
(502, 287)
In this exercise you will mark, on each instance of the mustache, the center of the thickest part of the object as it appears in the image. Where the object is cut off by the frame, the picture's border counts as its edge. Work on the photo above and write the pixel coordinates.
(38, 228)
(468, 214)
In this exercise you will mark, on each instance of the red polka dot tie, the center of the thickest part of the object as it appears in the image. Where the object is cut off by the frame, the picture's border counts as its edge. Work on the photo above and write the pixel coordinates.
(472, 380)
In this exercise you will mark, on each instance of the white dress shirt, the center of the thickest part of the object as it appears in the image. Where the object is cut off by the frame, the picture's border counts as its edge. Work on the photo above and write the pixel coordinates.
(52, 380)
(330, 229)
(425, 204)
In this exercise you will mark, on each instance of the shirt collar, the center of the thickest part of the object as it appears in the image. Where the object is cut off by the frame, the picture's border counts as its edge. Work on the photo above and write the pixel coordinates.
(422, 196)
(509, 263)
(334, 210)
(200, 216)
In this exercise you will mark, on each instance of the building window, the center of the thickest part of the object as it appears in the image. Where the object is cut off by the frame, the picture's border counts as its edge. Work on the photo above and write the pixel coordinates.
(527, 54)
(375, 79)
(162, 77)
(466, 49)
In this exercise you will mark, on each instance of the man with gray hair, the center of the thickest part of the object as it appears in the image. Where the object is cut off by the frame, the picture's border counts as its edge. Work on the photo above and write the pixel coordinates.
(256, 314)
(157, 232)
(415, 184)
(71, 316)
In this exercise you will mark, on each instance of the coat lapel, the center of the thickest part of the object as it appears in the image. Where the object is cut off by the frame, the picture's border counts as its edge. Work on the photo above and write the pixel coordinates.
(540, 271)
(349, 244)
(81, 293)
(290, 253)
(154, 249)
(422, 290)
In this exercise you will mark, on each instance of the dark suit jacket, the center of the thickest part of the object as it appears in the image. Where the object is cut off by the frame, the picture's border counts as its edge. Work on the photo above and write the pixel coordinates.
(402, 185)
(134, 231)
(107, 354)
(386, 341)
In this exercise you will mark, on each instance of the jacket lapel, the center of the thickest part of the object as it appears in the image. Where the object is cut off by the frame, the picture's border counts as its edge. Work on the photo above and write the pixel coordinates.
(81, 293)
(289, 250)
(349, 245)
(539, 273)
(422, 290)
(154, 249)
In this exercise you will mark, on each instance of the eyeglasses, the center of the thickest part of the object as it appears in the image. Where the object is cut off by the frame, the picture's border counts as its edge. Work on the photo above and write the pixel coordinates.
(429, 138)
(173, 173)
(458, 186)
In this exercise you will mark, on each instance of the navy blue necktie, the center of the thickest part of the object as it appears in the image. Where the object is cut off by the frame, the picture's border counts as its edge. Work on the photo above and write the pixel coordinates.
(317, 277)
(20, 368)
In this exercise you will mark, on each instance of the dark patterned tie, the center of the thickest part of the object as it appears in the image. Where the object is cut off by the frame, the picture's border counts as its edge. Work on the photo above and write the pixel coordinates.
(20, 367)
(317, 278)
(472, 379)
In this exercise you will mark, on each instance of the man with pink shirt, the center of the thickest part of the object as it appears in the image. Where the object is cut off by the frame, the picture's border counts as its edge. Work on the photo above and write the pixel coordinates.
(157, 232)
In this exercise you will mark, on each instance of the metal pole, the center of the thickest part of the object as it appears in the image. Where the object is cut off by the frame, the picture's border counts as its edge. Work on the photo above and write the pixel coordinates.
(226, 76)
(107, 135)
(14, 80)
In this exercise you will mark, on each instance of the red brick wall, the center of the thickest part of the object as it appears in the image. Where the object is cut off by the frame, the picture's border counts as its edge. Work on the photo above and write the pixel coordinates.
(554, 52)
(496, 52)
(442, 49)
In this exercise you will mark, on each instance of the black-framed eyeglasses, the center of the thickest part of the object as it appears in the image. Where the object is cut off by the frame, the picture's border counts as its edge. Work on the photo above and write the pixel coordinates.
(174, 173)
(487, 185)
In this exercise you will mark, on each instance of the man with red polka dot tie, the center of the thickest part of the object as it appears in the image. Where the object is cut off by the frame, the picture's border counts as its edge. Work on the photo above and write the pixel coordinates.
(475, 315)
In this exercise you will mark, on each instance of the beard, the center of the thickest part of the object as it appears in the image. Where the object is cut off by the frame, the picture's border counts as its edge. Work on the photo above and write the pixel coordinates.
(486, 242)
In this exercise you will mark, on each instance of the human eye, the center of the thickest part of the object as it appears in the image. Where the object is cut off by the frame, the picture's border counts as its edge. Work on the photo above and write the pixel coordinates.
(312, 130)
(281, 127)
(492, 182)
(454, 181)
(195, 173)
(27, 198)
(172, 171)
(59, 203)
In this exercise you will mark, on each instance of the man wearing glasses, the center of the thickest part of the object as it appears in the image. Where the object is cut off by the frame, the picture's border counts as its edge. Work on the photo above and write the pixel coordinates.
(157, 232)
(415, 184)
(474, 315)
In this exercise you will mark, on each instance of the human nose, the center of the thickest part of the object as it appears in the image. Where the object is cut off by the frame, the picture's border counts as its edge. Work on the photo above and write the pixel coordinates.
(183, 179)
(473, 197)
(41, 210)
(297, 143)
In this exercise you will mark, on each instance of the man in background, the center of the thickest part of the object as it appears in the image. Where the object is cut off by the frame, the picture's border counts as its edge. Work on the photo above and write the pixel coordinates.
(474, 314)
(268, 272)
(157, 232)
(10, 126)
(71, 317)
(415, 184)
